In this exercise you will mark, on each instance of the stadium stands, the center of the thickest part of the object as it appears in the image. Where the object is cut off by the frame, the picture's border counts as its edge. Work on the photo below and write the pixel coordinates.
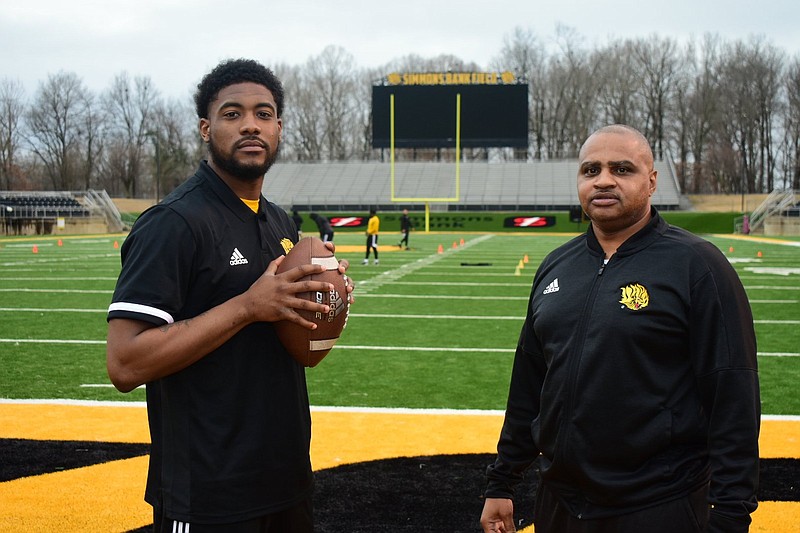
(350, 186)
(36, 212)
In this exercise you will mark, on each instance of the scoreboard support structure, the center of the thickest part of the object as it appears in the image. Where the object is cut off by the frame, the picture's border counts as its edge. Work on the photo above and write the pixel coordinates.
(428, 201)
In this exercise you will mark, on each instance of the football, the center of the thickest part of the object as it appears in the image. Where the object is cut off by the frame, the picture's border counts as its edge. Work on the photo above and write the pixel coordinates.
(308, 346)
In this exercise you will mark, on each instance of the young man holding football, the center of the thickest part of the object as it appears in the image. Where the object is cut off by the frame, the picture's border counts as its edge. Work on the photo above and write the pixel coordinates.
(191, 318)
(635, 381)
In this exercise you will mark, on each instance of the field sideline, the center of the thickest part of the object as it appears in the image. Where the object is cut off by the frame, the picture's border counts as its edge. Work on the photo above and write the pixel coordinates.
(433, 383)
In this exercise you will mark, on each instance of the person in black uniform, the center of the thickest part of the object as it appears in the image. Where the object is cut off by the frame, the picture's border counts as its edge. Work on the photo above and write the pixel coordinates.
(191, 317)
(405, 229)
(298, 222)
(324, 226)
(635, 380)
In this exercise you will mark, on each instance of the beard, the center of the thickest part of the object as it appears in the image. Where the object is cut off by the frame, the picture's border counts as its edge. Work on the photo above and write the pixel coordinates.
(244, 171)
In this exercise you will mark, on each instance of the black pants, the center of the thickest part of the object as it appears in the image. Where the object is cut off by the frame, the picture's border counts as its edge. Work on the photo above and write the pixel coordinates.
(297, 519)
(372, 244)
(688, 514)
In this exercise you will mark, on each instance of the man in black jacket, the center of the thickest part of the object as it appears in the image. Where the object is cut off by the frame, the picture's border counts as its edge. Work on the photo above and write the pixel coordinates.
(635, 378)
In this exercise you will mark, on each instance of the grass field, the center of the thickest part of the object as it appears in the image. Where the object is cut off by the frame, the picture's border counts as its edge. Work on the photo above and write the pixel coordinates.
(427, 330)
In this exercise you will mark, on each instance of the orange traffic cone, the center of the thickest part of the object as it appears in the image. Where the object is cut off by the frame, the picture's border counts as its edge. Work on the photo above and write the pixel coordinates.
(730, 249)
(60, 243)
(116, 245)
(441, 249)
(35, 249)
(462, 242)
(759, 253)
(525, 259)
(455, 245)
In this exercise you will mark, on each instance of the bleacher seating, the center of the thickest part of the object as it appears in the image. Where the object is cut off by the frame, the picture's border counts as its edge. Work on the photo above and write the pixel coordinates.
(549, 185)
(40, 206)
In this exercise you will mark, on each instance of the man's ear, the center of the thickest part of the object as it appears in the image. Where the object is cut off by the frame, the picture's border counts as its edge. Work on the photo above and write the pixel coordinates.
(204, 127)
(653, 181)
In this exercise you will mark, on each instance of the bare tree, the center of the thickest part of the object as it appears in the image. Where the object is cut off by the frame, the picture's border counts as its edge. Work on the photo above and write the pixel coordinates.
(129, 106)
(12, 108)
(567, 100)
(750, 81)
(621, 84)
(700, 108)
(659, 68)
(524, 54)
(792, 124)
(56, 122)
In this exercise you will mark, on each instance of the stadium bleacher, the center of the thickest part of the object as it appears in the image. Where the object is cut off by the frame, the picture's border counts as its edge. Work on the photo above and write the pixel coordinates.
(40, 205)
(39, 212)
(345, 186)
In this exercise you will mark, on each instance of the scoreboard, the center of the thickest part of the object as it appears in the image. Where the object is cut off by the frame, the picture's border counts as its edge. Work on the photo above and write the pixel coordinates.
(425, 115)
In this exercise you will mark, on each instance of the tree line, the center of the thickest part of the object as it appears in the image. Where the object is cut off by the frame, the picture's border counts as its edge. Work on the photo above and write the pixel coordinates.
(725, 113)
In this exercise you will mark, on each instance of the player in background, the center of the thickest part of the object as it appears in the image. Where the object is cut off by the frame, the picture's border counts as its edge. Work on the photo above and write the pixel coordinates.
(635, 380)
(191, 317)
(324, 227)
(405, 229)
(298, 222)
(373, 227)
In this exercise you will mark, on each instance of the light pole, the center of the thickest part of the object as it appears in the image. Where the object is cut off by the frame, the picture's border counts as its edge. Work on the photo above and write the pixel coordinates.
(156, 138)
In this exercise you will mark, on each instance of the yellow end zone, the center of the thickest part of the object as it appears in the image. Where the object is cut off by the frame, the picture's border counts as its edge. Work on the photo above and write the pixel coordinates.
(108, 497)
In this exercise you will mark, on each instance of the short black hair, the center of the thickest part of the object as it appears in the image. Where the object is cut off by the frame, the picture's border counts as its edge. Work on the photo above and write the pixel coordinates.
(230, 72)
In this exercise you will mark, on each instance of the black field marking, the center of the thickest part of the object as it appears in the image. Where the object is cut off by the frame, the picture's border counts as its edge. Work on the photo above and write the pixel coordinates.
(779, 480)
(410, 494)
(24, 457)
(425, 493)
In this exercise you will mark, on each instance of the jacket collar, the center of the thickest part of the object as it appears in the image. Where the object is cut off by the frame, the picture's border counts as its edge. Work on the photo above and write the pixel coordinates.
(226, 194)
(643, 238)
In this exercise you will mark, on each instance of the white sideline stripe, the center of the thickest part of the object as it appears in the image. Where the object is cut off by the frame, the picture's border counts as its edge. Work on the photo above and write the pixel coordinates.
(360, 347)
(457, 284)
(58, 279)
(367, 295)
(392, 275)
(771, 288)
(50, 341)
(104, 386)
(320, 408)
(430, 317)
(424, 349)
(444, 297)
(169, 319)
(78, 291)
(51, 310)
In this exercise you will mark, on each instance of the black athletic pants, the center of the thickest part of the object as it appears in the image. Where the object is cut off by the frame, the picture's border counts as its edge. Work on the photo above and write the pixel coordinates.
(688, 514)
(297, 519)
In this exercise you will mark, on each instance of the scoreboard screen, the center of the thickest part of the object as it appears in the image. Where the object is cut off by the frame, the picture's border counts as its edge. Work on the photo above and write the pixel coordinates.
(425, 115)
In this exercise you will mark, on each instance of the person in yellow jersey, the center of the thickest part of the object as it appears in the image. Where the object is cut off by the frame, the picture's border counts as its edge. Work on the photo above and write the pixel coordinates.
(373, 226)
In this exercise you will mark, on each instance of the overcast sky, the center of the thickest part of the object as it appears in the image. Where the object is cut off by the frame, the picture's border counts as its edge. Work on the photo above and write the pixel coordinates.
(175, 42)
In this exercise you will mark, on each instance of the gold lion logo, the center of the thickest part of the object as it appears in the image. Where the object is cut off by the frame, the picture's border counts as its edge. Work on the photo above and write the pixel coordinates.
(635, 297)
(287, 245)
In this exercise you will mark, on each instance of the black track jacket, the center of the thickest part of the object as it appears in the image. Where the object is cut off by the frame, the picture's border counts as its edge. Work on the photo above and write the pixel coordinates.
(636, 381)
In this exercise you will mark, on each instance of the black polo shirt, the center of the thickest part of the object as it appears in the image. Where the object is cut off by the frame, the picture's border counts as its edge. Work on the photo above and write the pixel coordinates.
(230, 433)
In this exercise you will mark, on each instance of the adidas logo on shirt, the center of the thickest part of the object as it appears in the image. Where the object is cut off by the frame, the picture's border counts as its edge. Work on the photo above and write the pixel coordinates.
(553, 287)
(237, 258)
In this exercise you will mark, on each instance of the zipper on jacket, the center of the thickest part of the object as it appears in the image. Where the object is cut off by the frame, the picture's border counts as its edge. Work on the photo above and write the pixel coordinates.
(574, 363)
